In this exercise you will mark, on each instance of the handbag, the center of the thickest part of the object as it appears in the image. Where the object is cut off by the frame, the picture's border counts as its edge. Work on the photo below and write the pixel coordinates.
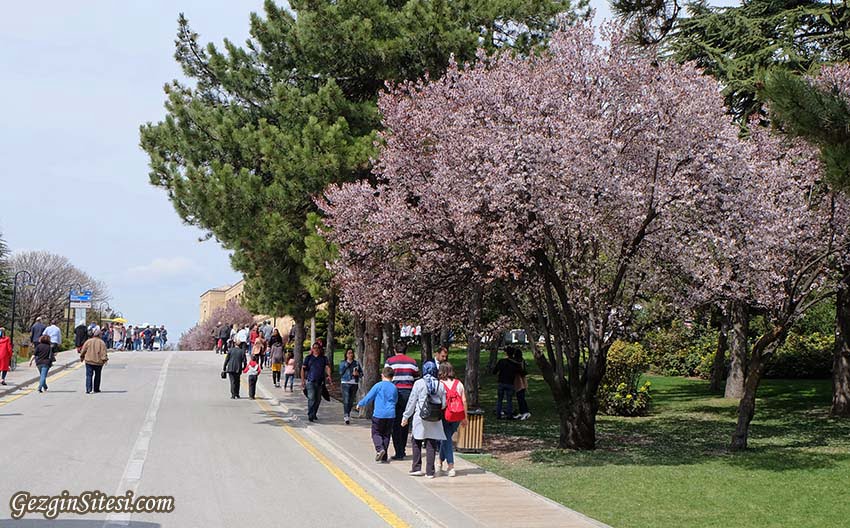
(430, 411)
(325, 394)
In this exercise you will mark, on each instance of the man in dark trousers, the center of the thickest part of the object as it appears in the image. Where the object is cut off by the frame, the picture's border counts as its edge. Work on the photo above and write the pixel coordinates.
(81, 333)
(234, 363)
(404, 373)
(36, 331)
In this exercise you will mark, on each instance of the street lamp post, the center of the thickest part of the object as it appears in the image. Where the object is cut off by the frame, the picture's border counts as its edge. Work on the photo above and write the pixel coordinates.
(100, 310)
(28, 279)
(68, 320)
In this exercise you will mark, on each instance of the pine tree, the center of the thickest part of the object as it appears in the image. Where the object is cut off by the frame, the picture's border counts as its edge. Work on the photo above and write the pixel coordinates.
(5, 284)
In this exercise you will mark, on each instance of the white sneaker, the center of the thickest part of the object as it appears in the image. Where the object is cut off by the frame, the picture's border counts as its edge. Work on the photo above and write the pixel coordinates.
(452, 472)
(347, 420)
(526, 416)
(431, 476)
(415, 473)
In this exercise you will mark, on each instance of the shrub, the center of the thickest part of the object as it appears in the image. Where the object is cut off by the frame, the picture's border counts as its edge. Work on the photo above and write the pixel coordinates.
(682, 349)
(621, 393)
(802, 356)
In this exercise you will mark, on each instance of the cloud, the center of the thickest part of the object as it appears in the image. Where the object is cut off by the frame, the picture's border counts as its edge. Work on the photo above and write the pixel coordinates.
(163, 267)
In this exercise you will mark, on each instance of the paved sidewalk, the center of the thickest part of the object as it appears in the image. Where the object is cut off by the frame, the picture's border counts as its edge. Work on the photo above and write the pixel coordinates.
(27, 375)
(474, 498)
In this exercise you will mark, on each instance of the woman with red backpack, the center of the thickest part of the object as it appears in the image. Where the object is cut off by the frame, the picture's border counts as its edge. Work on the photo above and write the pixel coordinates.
(454, 415)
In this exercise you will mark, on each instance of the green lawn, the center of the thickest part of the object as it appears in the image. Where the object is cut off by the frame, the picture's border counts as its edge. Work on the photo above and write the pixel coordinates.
(672, 469)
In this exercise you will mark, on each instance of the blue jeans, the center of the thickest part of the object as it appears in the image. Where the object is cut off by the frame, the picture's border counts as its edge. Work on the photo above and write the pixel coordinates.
(506, 390)
(42, 382)
(447, 450)
(349, 397)
(314, 397)
(93, 377)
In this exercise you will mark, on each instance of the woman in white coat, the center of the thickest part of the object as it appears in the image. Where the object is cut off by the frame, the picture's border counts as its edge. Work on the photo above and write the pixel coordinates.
(428, 432)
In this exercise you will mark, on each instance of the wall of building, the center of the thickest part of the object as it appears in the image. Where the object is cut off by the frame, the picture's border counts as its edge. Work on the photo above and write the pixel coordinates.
(218, 297)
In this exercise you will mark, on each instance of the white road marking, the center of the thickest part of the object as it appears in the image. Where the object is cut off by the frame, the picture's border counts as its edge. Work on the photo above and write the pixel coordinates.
(136, 463)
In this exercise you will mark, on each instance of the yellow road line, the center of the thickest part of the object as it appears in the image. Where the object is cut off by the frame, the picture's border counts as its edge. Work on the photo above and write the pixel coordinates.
(374, 504)
(29, 390)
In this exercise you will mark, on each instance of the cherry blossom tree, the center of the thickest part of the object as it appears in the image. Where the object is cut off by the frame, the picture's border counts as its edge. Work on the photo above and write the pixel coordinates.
(569, 182)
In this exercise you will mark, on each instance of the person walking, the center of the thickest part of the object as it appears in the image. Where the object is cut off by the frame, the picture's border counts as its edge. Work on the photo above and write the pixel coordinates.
(349, 377)
(385, 395)
(289, 371)
(427, 396)
(128, 338)
(258, 349)
(506, 369)
(253, 370)
(440, 357)
(455, 414)
(276, 357)
(266, 330)
(137, 338)
(520, 385)
(275, 339)
(242, 339)
(223, 338)
(315, 372)
(234, 364)
(55, 335)
(36, 331)
(44, 358)
(253, 334)
(163, 337)
(94, 355)
(404, 372)
(81, 333)
(5, 355)
(147, 337)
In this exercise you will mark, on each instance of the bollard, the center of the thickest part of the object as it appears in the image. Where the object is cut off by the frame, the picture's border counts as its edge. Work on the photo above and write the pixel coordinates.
(470, 439)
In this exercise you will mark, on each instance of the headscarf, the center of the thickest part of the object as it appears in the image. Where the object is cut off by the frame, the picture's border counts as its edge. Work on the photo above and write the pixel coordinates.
(429, 374)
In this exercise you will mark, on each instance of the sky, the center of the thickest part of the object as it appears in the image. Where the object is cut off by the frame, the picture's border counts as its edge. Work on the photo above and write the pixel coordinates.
(78, 78)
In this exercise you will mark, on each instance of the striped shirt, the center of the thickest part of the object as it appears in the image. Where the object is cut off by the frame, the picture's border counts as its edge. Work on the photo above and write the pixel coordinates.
(404, 370)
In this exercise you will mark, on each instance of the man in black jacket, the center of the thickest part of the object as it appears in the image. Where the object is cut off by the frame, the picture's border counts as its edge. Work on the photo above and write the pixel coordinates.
(81, 333)
(234, 364)
(36, 331)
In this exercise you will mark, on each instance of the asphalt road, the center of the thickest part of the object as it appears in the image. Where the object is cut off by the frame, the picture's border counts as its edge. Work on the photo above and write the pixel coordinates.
(164, 425)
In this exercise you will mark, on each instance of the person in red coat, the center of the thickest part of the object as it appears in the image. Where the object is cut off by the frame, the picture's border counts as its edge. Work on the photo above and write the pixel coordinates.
(5, 355)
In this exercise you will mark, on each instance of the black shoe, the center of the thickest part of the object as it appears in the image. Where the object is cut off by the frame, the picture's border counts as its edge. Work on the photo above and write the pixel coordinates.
(398, 457)
(233, 397)
(97, 391)
(88, 392)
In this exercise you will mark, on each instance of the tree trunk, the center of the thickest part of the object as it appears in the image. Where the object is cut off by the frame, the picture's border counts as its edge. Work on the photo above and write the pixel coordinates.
(330, 344)
(719, 366)
(747, 407)
(427, 350)
(493, 347)
(388, 342)
(738, 345)
(298, 347)
(371, 358)
(445, 332)
(578, 425)
(473, 350)
(841, 354)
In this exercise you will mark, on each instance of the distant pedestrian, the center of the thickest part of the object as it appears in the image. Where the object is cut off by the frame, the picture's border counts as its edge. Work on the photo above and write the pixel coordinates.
(36, 331)
(289, 371)
(253, 334)
(55, 335)
(5, 355)
(428, 393)
(223, 337)
(266, 330)
(137, 338)
(242, 339)
(385, 395)
(253, 370)
(349, 376)
(506, 369)
(315, 377)
(258, 349)
(276, 357)
(520, 385)
(81, 333)
(147, 337)
(275, 339)
(94, 355)
(44, 358)
(163, 337)
(404, 372)
(455, 414)
(128, 338)
(234, 363)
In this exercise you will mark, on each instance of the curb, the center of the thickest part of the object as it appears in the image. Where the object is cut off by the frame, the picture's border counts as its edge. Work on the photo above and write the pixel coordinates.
(58, 367)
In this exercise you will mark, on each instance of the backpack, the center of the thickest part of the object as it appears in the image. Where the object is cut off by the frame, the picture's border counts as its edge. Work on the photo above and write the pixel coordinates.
(454, 404)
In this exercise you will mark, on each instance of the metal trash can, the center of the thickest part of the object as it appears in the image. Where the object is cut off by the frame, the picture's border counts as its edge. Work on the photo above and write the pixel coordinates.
(470, 439)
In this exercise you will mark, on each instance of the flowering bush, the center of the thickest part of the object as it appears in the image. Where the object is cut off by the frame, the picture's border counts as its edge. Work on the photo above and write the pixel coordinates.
(621, 393)
(200, 336)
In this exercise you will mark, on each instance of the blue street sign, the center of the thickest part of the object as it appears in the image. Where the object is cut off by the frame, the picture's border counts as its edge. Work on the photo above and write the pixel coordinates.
(81, 296)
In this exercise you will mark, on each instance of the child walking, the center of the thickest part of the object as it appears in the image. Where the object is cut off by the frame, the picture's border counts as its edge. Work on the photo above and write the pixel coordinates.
(289, 372)
(253, 370)
(385, 395)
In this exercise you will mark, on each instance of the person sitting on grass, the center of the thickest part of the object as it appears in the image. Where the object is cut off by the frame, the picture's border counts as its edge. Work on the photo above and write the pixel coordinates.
(384, 394)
